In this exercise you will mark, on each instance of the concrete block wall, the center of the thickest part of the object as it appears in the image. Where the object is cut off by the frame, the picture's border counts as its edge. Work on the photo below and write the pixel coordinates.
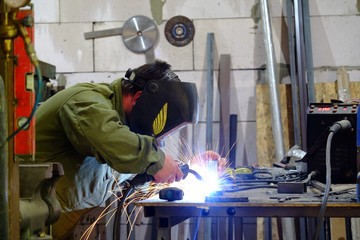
(238, 31)
(59, 39)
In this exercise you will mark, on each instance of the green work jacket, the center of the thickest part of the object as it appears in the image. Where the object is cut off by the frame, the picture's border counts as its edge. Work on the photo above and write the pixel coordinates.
(88, 120)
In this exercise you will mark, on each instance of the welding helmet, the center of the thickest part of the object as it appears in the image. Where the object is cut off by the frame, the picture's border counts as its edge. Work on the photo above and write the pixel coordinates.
(164, 106)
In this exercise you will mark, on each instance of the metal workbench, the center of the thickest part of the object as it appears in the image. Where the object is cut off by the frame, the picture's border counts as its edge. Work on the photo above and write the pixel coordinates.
(263, 202)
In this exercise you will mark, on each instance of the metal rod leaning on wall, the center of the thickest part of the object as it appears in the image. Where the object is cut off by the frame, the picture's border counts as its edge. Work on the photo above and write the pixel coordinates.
(274, 98)
(4, 212)
(308, 51)
(209, 89)
(294, 87)
(288, 223)
(209, 109)
(300, 55)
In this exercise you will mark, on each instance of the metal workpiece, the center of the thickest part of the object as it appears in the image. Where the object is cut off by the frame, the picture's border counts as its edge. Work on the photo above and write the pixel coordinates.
(39, 206)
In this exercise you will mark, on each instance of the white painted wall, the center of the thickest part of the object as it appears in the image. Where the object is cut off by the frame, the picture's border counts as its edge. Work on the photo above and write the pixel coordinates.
(61, 24)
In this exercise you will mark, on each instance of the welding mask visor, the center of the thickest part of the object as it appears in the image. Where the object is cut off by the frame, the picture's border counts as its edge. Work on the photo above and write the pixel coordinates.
(163, 108)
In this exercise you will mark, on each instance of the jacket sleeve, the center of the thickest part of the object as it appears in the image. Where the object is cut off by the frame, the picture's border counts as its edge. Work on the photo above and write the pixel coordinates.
(95, 129)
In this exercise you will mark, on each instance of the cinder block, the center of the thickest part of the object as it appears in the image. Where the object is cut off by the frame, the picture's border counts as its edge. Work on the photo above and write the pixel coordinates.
(180, 58)
(99, 11)
(46, 11)
(208, 9)
(64, 46)
(333, 7)
(243, 94)
(70, 79)
(241, 38)
(335, 40)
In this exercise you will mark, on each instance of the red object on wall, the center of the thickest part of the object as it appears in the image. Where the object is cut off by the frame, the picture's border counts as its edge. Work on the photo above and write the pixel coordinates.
(24, 93)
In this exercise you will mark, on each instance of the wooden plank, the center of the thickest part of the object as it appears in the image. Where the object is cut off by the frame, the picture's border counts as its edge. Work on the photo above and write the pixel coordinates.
(265, 139)
(337, 228)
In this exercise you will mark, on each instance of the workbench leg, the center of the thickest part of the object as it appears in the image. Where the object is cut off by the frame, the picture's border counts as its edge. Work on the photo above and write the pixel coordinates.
(164, 234)
(238, 228)
(230, 228)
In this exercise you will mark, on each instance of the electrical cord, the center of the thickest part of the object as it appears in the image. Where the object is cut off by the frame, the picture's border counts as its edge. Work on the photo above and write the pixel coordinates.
(335, 128)
(197, 226)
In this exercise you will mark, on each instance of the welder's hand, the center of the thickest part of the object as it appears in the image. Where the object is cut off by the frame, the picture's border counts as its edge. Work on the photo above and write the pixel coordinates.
(170, 171)
(210, 155)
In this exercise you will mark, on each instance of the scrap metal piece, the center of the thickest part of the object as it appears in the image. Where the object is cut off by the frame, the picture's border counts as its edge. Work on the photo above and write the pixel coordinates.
(291, 187)
(139, 34)
(179, 31)
(225, 199)
(283, 199)
(103, 33)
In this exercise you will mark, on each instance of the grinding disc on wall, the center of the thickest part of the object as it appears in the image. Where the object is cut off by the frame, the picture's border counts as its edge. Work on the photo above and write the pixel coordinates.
(179, 31)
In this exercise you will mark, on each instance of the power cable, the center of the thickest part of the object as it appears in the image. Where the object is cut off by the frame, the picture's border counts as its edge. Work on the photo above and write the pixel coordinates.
(336, 127)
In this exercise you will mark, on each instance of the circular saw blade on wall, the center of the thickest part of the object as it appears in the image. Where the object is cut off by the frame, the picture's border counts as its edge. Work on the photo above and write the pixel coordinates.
(139, 34)
(179, 31)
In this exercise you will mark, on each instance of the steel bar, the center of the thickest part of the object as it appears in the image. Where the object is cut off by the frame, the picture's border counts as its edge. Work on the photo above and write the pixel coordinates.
(209, 109)
(209, 89)
(224, 90)
(103, 33)
(294, 86)
(300, 55)
(275, 105)
(233, 136)
(308, 51)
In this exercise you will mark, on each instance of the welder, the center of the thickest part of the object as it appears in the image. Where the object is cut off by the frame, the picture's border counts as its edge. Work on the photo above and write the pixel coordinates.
(102, 134)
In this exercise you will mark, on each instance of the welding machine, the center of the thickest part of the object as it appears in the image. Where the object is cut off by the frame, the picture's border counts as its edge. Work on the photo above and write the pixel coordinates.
(344, 148)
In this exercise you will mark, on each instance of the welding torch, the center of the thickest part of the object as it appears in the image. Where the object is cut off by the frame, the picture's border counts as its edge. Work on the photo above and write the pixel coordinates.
(141, 179)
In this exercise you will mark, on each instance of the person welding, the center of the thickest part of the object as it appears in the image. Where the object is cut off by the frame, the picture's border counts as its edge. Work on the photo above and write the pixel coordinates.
(102, 134)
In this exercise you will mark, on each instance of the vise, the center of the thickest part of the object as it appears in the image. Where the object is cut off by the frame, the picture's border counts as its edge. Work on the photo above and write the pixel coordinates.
(39, 206)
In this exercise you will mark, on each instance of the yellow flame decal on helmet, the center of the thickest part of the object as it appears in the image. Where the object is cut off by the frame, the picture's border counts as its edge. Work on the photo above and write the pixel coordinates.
(160, 120)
